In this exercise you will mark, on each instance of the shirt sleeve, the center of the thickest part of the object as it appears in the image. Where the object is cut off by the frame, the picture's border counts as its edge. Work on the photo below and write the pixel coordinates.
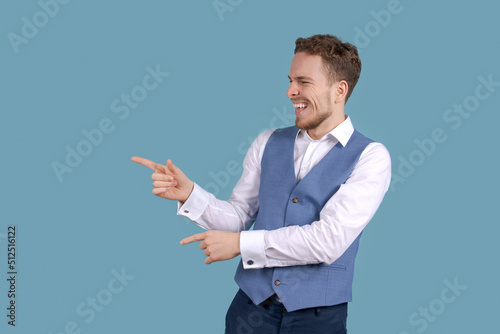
(342, 219)
(239, 212)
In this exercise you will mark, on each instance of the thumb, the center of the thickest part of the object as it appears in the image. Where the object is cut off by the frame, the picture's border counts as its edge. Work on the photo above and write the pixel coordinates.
(173, 168)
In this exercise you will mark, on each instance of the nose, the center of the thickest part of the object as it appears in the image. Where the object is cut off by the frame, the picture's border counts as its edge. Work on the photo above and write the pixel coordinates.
(292, 90)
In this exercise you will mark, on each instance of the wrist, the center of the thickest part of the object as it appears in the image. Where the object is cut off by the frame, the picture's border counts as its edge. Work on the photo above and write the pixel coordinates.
(238, 249)
(189, 192)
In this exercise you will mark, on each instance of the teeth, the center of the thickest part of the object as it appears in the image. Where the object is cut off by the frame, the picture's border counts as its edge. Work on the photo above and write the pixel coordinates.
(299, 105)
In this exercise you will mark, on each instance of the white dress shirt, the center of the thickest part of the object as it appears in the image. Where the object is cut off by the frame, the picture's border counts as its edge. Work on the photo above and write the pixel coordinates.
(342, 218)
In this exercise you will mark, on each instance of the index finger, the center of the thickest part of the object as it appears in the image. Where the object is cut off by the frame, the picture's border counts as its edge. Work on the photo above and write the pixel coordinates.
(148, 163)
(193, 238)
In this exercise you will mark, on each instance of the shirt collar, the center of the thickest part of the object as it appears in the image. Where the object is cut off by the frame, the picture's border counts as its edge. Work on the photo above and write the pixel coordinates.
(342, 132)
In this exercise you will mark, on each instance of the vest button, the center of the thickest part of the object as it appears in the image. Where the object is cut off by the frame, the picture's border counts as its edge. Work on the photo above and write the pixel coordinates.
(277, 282)
(250, 262)
(295, 199)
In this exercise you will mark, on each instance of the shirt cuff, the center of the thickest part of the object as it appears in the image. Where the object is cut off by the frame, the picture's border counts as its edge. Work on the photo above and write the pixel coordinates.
(252, 248)
(195, 205)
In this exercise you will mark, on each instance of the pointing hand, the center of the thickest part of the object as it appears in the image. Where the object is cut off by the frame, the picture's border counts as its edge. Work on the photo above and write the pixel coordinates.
(217, 245)
(169, 181)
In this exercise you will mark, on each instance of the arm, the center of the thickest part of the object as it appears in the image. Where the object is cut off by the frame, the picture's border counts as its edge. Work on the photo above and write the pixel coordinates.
(342, 219)
(232, 216)
(210, 213)
(224, 219)
(239, 212)
(171, 183)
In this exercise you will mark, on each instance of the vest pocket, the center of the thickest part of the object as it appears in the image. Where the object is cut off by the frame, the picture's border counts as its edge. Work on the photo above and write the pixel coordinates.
(335, 267)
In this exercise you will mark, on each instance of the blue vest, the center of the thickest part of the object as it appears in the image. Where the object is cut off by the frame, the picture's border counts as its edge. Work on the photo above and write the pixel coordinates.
(283, 201)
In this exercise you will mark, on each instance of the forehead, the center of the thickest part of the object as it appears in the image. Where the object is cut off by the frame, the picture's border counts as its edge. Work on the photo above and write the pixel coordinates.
(306, 65)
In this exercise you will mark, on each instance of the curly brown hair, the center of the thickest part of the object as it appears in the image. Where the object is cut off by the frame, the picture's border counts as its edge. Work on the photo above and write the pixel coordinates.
(341, 59)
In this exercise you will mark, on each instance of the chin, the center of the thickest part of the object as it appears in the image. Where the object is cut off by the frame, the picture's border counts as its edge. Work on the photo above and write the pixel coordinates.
(299, 124)
(304, 125)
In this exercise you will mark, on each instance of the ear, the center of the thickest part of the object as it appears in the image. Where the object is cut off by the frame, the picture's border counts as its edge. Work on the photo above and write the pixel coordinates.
(341, 91)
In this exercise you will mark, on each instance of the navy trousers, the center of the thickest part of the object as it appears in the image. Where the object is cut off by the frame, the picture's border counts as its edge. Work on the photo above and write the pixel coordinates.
(270, 317)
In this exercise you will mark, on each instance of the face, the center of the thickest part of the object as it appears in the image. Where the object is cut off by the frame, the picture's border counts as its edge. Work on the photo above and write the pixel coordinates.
(311, 94)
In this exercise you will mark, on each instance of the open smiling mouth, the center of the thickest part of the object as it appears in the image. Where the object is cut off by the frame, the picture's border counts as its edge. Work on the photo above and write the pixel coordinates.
(300, 107)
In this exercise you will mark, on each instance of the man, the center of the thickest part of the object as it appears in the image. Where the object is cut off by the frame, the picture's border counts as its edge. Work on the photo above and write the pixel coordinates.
(309, 190)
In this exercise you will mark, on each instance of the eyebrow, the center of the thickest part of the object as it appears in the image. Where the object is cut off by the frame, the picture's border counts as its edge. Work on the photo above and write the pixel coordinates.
(302, 78)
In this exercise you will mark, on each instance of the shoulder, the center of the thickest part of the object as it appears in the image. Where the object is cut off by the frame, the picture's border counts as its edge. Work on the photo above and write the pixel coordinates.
(264, 136)
(373, 168)
(256, 150)
(376, 156)
(279, 134)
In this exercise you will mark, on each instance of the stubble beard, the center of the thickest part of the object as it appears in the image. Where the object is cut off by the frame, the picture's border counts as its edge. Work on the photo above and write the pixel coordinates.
(304, 124)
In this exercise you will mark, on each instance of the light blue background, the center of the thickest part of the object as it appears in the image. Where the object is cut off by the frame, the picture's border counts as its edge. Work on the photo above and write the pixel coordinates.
(227, 82)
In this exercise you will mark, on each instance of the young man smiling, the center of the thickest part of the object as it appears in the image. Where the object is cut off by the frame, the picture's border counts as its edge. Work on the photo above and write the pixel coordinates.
(308, 190)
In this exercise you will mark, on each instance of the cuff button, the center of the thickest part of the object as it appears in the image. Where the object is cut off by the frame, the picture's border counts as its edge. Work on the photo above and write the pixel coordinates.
(186, 211)
(250, 262)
